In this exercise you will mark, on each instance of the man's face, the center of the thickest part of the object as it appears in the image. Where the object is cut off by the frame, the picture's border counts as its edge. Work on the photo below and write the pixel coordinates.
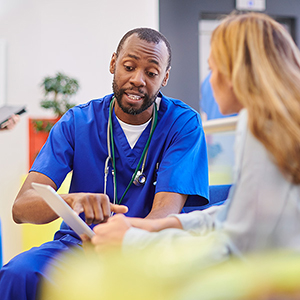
(139, 72)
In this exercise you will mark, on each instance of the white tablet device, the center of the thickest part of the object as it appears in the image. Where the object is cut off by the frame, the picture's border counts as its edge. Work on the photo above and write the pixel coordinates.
(61, 208)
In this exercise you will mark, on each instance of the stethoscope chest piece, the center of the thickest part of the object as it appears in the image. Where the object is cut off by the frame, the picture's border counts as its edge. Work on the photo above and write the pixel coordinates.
(139, 179)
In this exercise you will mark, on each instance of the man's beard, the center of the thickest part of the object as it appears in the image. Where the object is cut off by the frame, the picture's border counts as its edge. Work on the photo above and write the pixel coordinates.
(148, 101)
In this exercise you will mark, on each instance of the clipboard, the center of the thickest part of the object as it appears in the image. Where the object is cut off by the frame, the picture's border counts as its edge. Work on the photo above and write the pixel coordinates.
(61, 208)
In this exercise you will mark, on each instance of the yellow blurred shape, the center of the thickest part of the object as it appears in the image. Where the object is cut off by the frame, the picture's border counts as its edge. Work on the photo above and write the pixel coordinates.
(152, 275)
(220, 175)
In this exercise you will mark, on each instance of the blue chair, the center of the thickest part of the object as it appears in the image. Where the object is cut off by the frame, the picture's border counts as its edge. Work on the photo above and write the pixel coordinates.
(217, 195)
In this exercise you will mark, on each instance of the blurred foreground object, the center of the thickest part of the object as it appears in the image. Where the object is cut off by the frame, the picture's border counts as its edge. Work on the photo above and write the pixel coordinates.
(186, 273)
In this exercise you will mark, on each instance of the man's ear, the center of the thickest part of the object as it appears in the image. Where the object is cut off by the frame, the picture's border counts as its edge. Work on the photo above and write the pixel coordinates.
(166, 79)
(112, 64)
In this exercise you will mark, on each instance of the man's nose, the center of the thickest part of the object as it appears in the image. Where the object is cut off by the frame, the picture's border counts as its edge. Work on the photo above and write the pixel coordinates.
(138, 78)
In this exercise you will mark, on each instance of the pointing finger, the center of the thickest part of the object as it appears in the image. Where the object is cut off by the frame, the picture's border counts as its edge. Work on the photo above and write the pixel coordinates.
(118, 209)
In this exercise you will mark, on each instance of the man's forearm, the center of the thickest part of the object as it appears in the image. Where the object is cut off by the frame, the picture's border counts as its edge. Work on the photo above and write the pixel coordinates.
(30, 208)
(166, 203)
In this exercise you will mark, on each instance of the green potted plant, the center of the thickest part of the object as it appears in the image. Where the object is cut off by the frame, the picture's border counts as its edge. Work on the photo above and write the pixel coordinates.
(57, 93)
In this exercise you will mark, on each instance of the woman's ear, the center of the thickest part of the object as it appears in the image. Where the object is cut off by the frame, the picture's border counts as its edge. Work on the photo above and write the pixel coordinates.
(112, 64)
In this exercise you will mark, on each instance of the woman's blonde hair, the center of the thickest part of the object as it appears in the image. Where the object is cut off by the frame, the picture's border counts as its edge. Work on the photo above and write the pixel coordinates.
(263, 63)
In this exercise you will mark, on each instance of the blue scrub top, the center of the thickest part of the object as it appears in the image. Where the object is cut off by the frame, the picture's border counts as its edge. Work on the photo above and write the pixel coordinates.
(78, 143)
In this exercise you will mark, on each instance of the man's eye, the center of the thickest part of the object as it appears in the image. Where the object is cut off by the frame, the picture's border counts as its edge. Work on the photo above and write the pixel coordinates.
(128, 68)
(151, 74)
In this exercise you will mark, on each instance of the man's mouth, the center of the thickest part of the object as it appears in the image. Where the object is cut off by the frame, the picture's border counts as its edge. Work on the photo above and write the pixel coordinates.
(134, 97)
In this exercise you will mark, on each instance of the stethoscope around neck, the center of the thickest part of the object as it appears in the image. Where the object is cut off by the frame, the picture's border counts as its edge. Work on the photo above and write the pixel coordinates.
(138, 177)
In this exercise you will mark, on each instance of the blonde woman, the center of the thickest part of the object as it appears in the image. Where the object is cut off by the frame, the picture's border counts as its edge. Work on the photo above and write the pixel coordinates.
(255, 72)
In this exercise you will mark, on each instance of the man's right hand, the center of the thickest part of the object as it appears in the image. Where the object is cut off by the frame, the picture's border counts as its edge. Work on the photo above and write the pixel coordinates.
(29, 207)
(96, 207)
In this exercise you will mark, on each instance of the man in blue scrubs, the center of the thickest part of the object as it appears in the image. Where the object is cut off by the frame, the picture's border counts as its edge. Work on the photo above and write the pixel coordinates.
(173, 167)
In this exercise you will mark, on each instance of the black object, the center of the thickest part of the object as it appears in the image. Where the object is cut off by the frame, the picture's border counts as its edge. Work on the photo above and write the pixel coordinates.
(7, 111)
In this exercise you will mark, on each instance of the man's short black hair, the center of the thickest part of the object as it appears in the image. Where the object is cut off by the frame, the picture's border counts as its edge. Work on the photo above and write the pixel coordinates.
(149, 35)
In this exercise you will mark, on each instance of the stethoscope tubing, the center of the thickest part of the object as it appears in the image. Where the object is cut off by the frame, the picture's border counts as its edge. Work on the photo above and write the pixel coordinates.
(111, 154)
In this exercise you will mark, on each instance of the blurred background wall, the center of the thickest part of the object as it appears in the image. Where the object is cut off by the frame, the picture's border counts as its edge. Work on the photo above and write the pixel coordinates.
(179, 21)
(42, 37)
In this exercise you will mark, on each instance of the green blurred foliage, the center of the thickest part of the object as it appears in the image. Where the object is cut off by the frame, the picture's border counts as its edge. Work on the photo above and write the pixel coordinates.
(58, 91)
